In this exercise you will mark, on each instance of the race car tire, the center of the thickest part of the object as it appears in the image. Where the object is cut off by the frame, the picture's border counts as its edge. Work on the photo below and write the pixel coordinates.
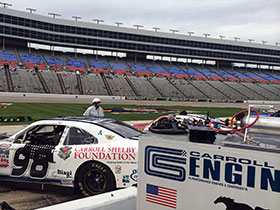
(95, 178)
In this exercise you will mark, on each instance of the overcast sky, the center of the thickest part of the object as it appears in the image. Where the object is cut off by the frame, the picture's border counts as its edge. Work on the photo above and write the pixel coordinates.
(247, 19)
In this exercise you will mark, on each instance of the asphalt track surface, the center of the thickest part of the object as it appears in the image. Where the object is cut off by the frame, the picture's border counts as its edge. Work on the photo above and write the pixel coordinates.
(31, 196)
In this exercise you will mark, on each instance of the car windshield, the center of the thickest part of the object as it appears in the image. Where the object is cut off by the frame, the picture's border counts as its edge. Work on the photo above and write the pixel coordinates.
(121, 128)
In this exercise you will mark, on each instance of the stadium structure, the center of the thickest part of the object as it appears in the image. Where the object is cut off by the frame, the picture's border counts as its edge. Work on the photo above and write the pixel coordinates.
(136, 75)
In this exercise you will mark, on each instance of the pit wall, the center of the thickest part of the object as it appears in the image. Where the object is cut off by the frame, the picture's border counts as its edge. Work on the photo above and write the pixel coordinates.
(124, 199)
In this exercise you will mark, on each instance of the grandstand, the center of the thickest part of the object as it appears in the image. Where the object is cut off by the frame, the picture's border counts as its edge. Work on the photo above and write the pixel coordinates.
(26, 69)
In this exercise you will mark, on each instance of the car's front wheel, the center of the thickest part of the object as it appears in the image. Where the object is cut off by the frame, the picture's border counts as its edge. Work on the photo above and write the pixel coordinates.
(94, 178)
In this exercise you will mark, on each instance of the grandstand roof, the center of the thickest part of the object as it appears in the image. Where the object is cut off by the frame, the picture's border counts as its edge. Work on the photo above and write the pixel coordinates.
(41, 29)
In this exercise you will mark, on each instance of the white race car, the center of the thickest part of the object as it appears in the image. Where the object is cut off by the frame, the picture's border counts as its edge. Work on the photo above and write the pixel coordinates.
(95, 155)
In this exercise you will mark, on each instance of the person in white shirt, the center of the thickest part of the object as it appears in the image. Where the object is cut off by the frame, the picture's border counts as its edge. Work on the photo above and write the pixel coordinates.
(94, 110)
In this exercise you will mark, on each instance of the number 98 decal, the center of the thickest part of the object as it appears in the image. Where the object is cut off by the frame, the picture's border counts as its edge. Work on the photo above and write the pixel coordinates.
(38, 155)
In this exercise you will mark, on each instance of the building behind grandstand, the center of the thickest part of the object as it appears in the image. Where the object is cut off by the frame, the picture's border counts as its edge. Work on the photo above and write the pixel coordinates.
(153, 64)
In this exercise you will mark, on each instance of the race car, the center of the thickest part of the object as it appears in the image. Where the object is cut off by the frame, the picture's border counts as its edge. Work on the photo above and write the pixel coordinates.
(93, 155)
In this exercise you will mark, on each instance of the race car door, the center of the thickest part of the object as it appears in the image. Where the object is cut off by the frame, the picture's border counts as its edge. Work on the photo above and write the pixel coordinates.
(33, 153)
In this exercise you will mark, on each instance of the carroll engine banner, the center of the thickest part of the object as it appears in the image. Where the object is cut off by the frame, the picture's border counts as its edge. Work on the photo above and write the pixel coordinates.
(194, 176)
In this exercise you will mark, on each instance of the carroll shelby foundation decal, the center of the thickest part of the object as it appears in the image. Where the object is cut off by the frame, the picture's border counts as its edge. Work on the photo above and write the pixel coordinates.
(111, 154)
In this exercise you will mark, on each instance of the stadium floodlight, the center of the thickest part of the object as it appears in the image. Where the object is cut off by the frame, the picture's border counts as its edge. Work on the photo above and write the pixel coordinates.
(5, 4)
(190, 33)
(54, 14)
(264, 42)
(156, 28)
(277, 43)
(31, 10)
(250, 40)
(173, 30)
(98, 21)
(76, 18)
(206, 35)
(138, 26)
(236, 38)
(221, 36)
(118, 23)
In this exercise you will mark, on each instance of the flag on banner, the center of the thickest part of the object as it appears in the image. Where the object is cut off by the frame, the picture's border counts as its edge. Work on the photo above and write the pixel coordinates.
(161, 195)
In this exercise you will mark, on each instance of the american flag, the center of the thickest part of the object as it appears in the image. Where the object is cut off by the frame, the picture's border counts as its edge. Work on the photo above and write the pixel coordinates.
(161, 195)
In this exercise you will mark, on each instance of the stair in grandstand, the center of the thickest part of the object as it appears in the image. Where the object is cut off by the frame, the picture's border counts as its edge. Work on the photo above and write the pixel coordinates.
(110, 93)
(218, 90)
(18, 57)
(149, 70)
(79, 82)
(262, 90)
(61, 83)
(178, 89)
(118, 67)
(234, 92)
(175, 71)
(252, 89)
(201, 71)
(156, 88)
(42, 81)
(157, 70)
(129, 68)
(87, 62)
(182, 69)
(64, 59)
(139, 69)
(132, 86)
(43, 59)
(210, 74)
(9, 79)
(194, 74)
(108, 65)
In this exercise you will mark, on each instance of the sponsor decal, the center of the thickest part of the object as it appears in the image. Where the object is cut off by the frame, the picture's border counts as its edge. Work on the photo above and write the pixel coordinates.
(68, 174)
(109, 137)
(232, 205)
(125, 179)
(66, 182)
(4, 160)
(165, 163)
(100, 133)
(64, 152)
(102, 153)
(134, 175)
(118, 169)
(161, 196)
(4, 148)
(232, 172)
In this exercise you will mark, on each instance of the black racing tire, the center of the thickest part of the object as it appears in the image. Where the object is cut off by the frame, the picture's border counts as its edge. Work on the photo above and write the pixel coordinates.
(95, 178)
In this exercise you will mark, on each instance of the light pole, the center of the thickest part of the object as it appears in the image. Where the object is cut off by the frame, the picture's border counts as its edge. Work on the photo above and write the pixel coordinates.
(250, 40)
(5, 4)
(221, 36)
(98, 21)
(206, 35)
(54, 14)
(264, 42)
(76, 18)
(156, 28)
(138, 26)
(173, 30)
(31, 10)
(118, 23)
(190, 33)
(236, 38)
